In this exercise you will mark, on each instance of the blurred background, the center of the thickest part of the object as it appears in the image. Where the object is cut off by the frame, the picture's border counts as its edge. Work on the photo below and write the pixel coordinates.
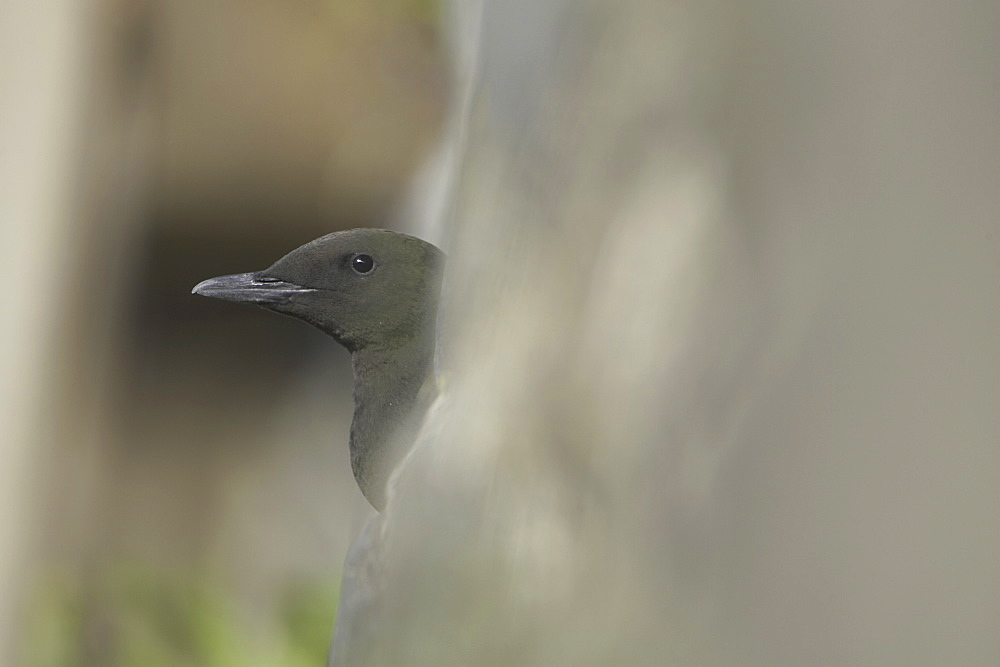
(176, 481)
(722, 323)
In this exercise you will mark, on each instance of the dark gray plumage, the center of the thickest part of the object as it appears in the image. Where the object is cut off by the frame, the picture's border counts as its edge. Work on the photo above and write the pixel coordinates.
(376, 293)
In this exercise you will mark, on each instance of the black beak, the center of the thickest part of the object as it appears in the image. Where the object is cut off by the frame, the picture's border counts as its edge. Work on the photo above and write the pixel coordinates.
(249, 288)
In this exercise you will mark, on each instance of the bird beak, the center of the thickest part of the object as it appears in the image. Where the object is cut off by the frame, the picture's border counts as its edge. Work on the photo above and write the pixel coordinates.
(249, 288)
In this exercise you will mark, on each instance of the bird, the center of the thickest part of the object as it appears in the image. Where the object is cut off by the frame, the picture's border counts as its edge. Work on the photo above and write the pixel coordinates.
(376, 293)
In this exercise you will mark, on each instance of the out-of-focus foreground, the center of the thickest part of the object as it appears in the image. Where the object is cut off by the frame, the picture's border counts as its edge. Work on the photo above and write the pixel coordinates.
(723, 344)
(721, 326)
(174, 479)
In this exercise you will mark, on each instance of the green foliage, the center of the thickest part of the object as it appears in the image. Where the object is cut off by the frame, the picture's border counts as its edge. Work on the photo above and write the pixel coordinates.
(137, 616)
(413, 11)
(427, 11)
(308, 618)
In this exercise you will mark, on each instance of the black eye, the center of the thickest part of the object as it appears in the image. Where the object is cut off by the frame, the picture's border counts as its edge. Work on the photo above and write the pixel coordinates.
(362, 263)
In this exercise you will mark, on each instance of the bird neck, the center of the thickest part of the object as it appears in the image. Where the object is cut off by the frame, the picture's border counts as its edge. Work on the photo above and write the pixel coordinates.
(392, 389)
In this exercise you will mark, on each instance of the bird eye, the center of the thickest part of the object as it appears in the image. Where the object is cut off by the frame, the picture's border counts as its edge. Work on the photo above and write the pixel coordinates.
(362, 263)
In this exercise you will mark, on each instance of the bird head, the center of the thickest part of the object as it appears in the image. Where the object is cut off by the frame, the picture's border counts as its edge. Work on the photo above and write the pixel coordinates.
(365, 287)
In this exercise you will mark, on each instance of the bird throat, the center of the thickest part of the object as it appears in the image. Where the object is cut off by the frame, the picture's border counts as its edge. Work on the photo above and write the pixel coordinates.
(392, 390)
